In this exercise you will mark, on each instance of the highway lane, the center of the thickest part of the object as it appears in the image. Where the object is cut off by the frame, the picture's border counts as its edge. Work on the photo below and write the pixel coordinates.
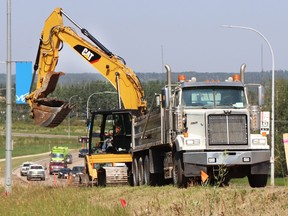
(50, 180)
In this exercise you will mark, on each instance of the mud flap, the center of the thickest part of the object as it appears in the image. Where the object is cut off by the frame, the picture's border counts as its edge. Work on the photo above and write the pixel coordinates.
(50, 112)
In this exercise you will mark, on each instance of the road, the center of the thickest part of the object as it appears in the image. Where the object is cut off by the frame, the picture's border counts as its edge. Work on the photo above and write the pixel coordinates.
(51, 180)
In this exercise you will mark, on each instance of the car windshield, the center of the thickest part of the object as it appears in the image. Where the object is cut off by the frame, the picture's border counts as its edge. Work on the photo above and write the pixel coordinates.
(57, 155)
(56, 163)
(65, 170)
(84, 150)
(35, 167)
(216, 97)
(78, 169)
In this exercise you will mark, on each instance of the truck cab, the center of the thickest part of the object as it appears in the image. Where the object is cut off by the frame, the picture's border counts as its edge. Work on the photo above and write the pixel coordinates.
(202, 129)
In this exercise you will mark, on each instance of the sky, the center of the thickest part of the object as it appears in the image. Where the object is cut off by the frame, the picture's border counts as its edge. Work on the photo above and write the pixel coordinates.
(186, 34)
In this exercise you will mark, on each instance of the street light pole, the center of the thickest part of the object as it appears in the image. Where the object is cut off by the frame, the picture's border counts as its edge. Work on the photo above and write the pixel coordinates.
(95, 93)
(272, 160)
(8, 153)
(69, 115)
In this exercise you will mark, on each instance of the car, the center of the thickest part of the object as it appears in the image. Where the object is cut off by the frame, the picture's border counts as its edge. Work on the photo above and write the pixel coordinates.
(83, 153)
(77, 170)
(54, 167)
(69, 159)
(24, 168)
(36, 171)
(64, 173)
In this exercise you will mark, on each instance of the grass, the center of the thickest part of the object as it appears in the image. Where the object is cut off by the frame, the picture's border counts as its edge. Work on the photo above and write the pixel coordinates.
(168, 200)
(237, 199)
(35, 145)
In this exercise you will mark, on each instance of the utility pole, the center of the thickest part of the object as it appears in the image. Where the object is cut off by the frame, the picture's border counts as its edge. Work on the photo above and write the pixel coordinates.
(8, 181)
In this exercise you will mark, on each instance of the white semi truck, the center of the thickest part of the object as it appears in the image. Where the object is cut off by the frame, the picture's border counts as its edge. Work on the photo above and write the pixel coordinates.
(199, 129)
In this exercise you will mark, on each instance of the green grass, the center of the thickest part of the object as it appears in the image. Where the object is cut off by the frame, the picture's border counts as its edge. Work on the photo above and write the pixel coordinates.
(168, 200)
(36, 145)
(77, 128)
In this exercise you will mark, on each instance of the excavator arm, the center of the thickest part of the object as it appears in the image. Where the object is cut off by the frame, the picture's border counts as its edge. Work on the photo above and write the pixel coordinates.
(51, 112)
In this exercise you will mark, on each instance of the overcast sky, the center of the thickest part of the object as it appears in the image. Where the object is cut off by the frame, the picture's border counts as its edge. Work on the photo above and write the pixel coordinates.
(188, 31)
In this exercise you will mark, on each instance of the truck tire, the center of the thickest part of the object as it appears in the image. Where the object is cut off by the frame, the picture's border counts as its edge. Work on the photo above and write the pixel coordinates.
(147, 180)
(101, 177)
(135, 172)
(141, 171)
(179, 180)
(259, 180)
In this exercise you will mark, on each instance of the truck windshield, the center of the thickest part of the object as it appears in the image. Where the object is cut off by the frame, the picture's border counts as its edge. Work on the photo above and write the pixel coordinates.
(57, 155)
(216, 97)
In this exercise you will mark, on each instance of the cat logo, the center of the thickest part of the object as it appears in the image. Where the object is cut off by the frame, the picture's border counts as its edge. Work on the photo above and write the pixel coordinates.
(88, 54)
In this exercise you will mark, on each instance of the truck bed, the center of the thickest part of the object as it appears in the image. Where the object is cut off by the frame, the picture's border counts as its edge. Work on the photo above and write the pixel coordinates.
(147, 131)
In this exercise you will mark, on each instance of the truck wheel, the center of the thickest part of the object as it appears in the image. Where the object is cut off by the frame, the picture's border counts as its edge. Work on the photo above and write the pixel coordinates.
(141, 171)
(101, 177)
(135, 172)
(259, 180)
(179, 180)
(147, 180)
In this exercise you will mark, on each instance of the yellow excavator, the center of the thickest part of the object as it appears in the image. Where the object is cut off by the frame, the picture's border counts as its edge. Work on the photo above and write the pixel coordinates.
(49, 112)
(101, 166)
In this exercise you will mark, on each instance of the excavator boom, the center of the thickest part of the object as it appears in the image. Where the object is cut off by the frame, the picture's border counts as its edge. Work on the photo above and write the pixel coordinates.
(51, 112)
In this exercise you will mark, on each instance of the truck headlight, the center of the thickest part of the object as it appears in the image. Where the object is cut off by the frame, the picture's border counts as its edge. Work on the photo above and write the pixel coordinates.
(258, 141)
(192, 141)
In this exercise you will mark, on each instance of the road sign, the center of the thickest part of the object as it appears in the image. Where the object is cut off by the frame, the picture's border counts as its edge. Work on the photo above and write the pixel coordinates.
(265, 122)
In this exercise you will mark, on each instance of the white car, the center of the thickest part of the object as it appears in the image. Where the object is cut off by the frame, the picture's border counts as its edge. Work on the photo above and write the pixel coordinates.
(24, 168)
(36, 171)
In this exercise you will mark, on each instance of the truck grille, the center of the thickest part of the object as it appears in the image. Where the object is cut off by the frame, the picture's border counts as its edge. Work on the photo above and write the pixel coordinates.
(227, 130)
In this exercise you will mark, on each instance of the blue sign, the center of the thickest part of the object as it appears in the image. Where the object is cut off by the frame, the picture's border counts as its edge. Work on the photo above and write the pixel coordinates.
(23, 81)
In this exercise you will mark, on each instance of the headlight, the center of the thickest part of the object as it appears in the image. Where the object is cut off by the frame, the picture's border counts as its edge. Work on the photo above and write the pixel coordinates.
(192, 141)
(258, 141)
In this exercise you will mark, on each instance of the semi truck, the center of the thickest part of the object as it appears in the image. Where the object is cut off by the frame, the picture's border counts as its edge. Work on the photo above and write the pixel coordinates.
(201, 129)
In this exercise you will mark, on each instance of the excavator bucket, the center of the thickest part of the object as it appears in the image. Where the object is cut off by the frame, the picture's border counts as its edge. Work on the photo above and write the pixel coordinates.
(50, 112)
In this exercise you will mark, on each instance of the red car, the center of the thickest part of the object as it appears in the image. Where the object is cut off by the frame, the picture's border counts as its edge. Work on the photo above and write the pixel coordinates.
(54, 167)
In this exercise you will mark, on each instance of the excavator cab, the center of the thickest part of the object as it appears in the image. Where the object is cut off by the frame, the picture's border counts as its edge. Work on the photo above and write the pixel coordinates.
(111, 124)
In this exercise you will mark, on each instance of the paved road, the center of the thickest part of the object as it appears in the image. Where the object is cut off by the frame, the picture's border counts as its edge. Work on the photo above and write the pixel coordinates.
(51, 180)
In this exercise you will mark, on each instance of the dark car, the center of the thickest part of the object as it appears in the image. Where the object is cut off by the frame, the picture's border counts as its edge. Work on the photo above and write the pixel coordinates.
(69, 159)
(54, 167)
(64, 173)
(76, 170)
(83, 153)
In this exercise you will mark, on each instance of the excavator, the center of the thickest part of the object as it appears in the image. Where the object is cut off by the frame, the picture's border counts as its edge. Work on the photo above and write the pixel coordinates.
(101, 166)
(50, 112)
